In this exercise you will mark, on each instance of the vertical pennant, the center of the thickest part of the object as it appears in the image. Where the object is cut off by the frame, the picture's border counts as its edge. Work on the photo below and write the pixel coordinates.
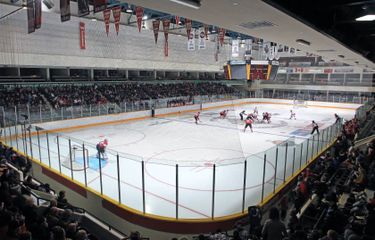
(38, 14)
(177, 19)
(99, 5)
(107, 17)
(82, 38)
(155, 27)
(206, 31)
(166, 24)
(221, 36)
(191, 41)
(202, 39)
(216, 54)
(65, 10)
(188, 24)
(266, 49)
(139, 14)
(83, 8)
(30, 16)
(116, 11)
(235, 48)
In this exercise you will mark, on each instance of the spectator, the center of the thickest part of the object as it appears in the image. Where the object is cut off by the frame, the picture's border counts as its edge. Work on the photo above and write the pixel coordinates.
(273, 228)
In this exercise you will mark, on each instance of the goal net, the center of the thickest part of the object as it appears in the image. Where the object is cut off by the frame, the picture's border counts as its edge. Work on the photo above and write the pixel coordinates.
(79, 160)
(299, 103)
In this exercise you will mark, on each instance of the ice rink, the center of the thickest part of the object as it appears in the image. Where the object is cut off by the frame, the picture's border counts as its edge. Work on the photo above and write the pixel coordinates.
(162, 142)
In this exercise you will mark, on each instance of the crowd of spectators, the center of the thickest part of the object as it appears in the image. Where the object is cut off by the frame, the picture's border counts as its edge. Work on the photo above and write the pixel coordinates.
(74, 95)
(21, 218)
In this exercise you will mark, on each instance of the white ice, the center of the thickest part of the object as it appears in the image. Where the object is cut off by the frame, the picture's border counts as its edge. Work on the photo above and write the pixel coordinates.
(164, 142)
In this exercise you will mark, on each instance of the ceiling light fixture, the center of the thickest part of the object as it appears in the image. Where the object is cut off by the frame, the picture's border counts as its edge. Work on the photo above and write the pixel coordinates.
(368, 17)
(303, 42)
(188, 3)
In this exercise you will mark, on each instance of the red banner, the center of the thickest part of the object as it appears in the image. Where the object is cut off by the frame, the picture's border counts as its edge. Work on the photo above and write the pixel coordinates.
(221, 36)
(38, 14)
(177, 18)
(82, 39)
(107, 17)
(166, 24)
(206, 31)
(139, 14)
(116, 11)
(188, 24)
(156, 27)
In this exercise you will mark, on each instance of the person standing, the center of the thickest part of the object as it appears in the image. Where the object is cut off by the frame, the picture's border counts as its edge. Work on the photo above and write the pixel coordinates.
(273, 228)
(315, 127)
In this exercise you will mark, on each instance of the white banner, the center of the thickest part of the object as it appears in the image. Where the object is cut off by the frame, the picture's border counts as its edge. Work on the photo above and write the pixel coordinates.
(266, 49)
(202, 39)
(235, 48)
(271, 54)
(191, 41)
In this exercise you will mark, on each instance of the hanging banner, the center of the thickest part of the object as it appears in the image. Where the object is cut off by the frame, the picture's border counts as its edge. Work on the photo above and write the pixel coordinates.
(139, 14)
(82, 38)
(271, 54)
(202, 39)
(191, 41)
(116, 11)
(166, 24)
(156, 27)
(30, 16)
(235, 48)
(266, 49)
(83, 8)
(65, 10)
(279, 50)
(107, 17)
(177, 19)
(188, 24)
(248, 48)
(221, 36)
(38, 14)
(216, 53)
(206, 31)
(100, 5)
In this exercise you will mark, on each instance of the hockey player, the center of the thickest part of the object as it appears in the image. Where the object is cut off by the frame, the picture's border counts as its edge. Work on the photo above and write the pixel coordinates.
(256, 111)
(223, 114)
(196, 117)
(100, 147)
(315, 127)
(338, 118)
(292, 115)
(266, 117)
(248, 123)
(242, 114)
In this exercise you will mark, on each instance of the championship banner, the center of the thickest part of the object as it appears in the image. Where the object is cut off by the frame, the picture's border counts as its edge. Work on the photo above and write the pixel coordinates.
(188, 24)
(221, 35)
(107, 17)
(156, 27)
(235, 48)
(116, 11)
(30, 16)
(266, 49)
(38, 14)
(177, 18)
(249, 48)
(139, 14)
(83, 8)
(166, 24)
(65, 10)
(100, 5)
(191, 41)
(202, 39)
(216, 53)
(271, 54)
(82, 38)
(206, 31)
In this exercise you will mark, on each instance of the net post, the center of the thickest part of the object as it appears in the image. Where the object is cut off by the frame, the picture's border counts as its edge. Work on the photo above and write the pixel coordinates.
(58, 151)
(100, 175)
(286, 160)
(48, 150)
(277, 156)
(118, 178)
(143, 188)
(244, 186)
(213, 191)
(70, 158)
(264, 175)
(84, 163)
(177, 197)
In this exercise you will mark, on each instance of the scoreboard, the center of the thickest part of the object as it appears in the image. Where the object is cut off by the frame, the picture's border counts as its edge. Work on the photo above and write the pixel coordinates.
(251, 70)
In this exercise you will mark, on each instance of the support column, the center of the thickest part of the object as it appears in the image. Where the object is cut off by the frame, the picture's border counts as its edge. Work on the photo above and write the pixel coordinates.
(48, 74)
(91, 74)
(155, 74)
(127, 74)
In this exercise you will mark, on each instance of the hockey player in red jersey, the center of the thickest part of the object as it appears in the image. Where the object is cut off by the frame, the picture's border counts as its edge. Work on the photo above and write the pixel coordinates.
(100, 147)
(196, 117)
(223, 114)
(248, 123)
